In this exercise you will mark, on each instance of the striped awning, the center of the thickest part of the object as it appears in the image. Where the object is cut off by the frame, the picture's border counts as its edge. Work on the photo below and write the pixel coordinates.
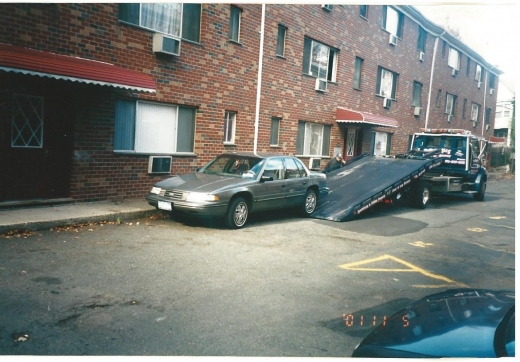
(44, 64)
(344, 115)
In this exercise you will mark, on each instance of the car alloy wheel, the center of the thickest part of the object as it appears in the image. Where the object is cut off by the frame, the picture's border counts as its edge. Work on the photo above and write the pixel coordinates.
(237, 213)
(310, 202)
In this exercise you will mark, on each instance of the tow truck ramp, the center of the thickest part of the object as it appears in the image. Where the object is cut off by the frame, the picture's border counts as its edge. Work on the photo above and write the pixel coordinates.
(360, 185)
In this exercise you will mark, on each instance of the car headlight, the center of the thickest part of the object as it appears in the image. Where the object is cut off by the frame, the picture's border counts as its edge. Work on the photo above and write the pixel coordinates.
(156, 190)
(199, 196)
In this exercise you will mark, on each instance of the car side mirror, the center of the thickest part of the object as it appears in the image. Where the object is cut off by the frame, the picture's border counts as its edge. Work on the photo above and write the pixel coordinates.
(265, 178)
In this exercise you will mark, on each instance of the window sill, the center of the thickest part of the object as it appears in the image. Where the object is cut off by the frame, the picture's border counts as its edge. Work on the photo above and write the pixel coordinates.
(229, 144)
(235, 42)
(275, 146)
(280, 56)
(382, 96)
(175, 154)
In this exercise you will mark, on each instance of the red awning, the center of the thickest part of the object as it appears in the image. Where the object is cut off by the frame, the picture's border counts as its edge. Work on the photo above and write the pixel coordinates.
(344, 115)
(497, 139)
(34, 62)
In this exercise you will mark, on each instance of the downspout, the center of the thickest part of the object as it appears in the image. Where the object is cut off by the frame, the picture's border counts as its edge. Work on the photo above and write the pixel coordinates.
(259, 81)
(431, 79)
(484, 102)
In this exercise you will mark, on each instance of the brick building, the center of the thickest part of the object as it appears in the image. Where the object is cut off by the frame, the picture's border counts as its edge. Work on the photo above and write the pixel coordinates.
(89, 92)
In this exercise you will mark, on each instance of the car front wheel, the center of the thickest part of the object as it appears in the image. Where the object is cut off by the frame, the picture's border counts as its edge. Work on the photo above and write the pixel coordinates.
(310, 203)
(236, 216)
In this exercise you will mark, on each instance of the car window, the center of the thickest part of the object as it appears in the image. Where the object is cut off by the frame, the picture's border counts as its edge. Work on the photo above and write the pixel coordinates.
(259, 163)
(230, 165)
(275, 169)
(291, 168)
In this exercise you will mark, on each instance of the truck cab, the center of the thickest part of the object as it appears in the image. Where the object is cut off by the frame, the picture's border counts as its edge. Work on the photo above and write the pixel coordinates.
(462, 152)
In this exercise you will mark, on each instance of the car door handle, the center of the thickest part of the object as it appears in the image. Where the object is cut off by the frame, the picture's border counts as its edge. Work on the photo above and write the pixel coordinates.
(305, 182)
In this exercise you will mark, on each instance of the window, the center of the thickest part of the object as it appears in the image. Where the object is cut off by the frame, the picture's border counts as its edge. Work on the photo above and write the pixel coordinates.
(444, 48)
(386, 83)
(475, 110)
(438, 100)
(319, 60)
(488, 116)
(478, 73)
(191, 22)
(421, 41)
(393, 21)
(234, 24)
(280, 42)
(27, 122)
(416, 96)
(313, 139)
(451, 103)
(363, 11)
(327, 7)
(275, 131)
(464, 104)
(146, 127)
(468, 66)
(357, 73)
(230, 121)
(491, 82)
(453, 59)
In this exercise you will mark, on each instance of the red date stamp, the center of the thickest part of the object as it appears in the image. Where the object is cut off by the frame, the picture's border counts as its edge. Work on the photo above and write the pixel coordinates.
(352, 320)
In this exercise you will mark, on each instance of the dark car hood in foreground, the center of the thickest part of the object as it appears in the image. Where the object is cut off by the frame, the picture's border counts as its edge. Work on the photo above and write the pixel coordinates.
(201, 182)
(454, 323)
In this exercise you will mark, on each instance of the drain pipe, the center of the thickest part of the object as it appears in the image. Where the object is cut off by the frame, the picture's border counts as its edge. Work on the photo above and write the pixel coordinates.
(259, 81)
(431, 79)
(484, 103)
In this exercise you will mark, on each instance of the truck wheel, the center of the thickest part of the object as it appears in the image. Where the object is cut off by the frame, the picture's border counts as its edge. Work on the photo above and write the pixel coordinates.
(309, 204)
(236, 216)
(421, 196)
(479, 196)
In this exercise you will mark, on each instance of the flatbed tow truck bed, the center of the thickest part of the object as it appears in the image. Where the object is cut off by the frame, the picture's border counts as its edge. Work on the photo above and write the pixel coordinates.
(356, 187)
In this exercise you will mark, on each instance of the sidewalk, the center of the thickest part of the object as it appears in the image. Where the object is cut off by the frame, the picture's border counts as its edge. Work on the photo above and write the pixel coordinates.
(47, 217)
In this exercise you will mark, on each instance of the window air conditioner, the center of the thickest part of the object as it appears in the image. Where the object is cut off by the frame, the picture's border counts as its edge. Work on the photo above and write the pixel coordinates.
(417, 111)
(166, 45)
(479, 84)
(321, 84)
(327, 7)
(474, 124)
(454, 72)
(421, 56)
(314, 163)
(450, 118)
(387, 102)
(392, 39)
(159, 164)
(491, 91)
(487, 127)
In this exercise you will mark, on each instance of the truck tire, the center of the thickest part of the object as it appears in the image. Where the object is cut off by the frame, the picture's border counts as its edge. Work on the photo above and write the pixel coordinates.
(420, 196)
(309, 203)
(237, 213)
(479, 196)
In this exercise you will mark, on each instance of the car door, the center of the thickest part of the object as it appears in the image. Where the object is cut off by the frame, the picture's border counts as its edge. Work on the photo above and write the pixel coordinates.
(270, 194)
(297, 182)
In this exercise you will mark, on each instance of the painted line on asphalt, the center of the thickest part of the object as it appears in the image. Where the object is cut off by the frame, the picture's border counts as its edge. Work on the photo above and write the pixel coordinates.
(421, 244)
(410, 266)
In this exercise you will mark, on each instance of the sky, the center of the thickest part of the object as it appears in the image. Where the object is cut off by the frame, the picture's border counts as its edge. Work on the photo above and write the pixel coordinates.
(490, 29)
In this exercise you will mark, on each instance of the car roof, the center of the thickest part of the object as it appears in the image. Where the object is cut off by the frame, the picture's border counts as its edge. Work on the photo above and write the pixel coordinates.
(254, 155)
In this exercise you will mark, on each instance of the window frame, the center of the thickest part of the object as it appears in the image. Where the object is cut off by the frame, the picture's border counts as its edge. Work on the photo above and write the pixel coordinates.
(464, 105)
(451, 53)
(451, 101)
(128, 125)
(358, 71)
(229, 134)
(332, 57)
(468, 66)
(235, 23)
(421, 39)
(280, 40)
(379, 83)
(363, 11)
(31, 118)
(417, 94)
(302, 139)
(400, 21)
(487, 116)
(477, 107)
(478, 73)
(275, 131)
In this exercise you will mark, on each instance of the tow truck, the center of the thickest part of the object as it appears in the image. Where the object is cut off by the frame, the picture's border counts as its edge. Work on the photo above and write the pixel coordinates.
(439, 161)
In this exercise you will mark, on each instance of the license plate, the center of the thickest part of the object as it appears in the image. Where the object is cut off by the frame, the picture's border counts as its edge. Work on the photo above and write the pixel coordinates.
(163, 205)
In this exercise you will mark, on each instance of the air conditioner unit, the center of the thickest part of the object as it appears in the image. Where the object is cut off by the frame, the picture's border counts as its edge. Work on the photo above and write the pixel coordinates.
(454, 72)
(387, 102)
(487, 127)
(392, 39)
(417, 111)
(159, 164)
(314, 163)
(479, 84)
(321, 84)
(474, 124)
(450, 118)
(421, 56)
(327, 7)
(166, 45)
(491, 91)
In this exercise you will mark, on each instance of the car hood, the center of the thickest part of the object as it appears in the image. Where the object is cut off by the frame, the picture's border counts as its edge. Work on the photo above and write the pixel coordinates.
(201, 182)
(454, 323)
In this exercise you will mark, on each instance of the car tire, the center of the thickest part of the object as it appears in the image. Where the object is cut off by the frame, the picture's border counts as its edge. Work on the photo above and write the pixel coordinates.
(420, 196)
(309, 203)
(479, 196)
(237, 213)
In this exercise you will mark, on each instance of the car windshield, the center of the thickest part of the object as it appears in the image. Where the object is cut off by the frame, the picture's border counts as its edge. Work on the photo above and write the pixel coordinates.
(230, 165)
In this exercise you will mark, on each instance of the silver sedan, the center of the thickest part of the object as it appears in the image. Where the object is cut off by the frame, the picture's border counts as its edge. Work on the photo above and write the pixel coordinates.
(236, 184)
